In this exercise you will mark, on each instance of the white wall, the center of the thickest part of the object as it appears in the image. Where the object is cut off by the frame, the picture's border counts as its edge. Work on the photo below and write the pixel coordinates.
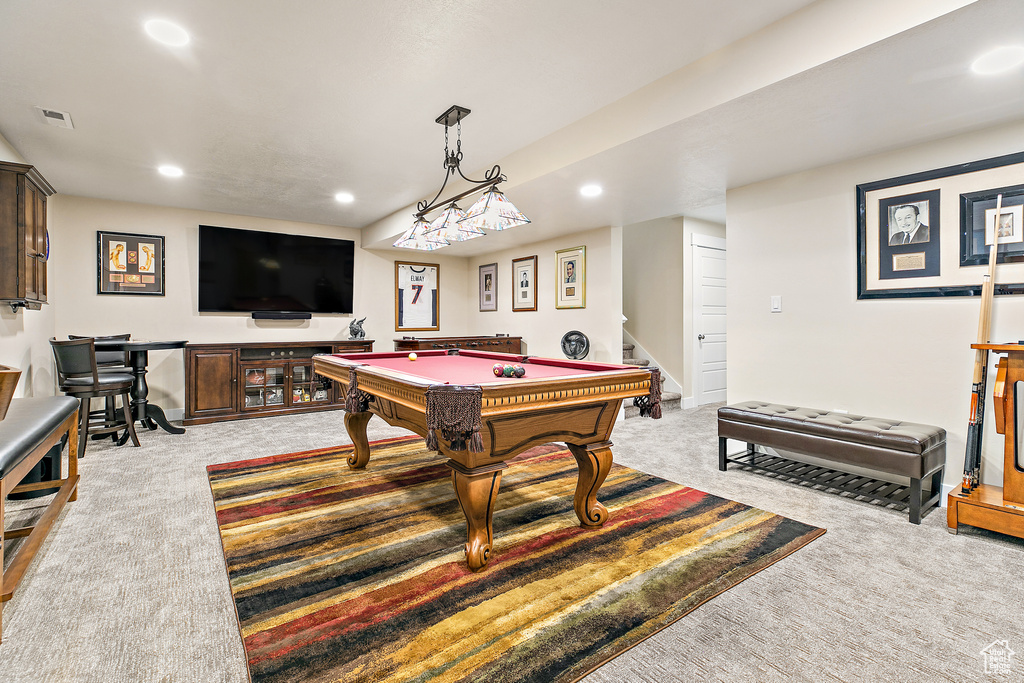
(897, 358)
(73, 224)
(24, 334)
(542, 329)
(652, 290)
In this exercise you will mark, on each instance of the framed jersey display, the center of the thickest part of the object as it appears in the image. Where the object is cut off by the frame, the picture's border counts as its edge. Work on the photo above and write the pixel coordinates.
(416, 296)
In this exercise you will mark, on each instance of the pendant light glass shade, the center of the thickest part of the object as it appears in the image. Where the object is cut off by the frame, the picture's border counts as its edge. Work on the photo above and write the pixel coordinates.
(494, 212)
(447, 226)
(416, 237)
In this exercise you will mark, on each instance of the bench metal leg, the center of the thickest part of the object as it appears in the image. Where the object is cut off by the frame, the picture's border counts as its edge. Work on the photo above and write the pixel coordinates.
(722, 462)
(915, 501)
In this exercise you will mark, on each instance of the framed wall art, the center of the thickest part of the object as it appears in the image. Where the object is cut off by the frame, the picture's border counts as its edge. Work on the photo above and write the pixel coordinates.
(489, 287)
(571, 278)
(524, 284)
(417, 296)
(908, 241)
(129, 264)
(978, 218)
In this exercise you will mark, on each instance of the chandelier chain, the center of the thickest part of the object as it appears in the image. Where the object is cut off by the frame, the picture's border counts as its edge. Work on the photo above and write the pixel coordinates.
(458, 138)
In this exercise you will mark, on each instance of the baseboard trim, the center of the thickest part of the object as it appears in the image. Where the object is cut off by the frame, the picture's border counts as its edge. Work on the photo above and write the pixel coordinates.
(689, 402)
(946, 488)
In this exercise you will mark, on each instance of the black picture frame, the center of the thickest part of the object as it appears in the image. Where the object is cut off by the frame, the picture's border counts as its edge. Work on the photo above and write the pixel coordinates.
(976, 177)
(129, 263)
(920, 258)
(973, 205)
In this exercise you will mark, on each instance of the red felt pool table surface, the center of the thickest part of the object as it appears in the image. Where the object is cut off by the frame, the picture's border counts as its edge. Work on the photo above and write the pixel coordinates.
(474, 367)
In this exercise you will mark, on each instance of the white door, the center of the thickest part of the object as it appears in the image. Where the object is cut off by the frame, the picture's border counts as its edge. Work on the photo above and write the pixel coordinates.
(708, 332)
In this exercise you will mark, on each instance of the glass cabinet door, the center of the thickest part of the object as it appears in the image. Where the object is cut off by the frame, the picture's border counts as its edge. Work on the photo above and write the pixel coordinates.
(264, 386)
(306, 388)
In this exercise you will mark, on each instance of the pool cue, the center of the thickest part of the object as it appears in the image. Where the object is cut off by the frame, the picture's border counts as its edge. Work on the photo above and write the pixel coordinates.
(976, 425)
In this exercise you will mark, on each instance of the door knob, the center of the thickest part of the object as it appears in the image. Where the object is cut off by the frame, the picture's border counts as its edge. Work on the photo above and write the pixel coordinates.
(700, 337)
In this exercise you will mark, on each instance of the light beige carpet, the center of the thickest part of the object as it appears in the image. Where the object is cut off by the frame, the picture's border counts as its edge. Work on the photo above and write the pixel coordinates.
(130, 585)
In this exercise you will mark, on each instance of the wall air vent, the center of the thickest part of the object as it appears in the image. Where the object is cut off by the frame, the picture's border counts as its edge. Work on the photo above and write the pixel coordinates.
(61, 119)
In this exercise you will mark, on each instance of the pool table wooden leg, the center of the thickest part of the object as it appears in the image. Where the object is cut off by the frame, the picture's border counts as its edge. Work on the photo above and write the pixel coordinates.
(594, 461)
(477, 490)
(355, 423)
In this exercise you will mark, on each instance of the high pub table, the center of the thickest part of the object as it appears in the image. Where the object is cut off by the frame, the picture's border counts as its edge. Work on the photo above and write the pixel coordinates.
(149, 414)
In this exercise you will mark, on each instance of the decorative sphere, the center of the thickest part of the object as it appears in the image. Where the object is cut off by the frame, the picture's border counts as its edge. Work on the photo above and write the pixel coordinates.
(508, 371)
(412, 356)
(498, 369)
(520, 371)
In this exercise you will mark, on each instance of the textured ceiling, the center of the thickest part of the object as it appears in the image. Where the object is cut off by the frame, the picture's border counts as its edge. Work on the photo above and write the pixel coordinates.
(272, 109)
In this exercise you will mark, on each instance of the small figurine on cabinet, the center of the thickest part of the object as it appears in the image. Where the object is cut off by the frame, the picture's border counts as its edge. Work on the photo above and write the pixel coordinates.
(355, 329)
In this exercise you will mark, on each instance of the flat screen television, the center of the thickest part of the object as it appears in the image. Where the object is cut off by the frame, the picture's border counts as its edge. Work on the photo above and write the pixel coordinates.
(256, 272)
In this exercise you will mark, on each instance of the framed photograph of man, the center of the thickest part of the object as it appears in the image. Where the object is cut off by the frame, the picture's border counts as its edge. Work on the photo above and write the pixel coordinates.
(489, 287)
(978, 222)
(129, 264)
(902, 250)
(908, 235)
(571, 278)
(524, 284)
(417, 298)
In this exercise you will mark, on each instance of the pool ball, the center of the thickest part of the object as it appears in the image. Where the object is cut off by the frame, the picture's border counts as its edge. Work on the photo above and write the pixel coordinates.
(412, 356)
(498, 369)
(520, 371)
(508, 371)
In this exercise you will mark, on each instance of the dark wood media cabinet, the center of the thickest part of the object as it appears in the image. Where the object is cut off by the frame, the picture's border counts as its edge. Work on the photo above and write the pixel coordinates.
(239, 381)
(499, 343)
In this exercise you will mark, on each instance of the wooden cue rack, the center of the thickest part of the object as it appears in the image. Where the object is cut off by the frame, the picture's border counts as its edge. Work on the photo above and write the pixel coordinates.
(990, 507)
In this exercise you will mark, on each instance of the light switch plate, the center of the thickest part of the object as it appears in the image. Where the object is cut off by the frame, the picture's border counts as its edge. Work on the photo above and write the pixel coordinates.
(776, 303)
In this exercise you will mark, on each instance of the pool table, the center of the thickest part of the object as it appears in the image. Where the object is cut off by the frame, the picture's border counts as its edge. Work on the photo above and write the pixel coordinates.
(479, 421)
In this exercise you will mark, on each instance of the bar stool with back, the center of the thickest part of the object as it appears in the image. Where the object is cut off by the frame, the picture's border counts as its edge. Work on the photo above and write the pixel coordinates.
(109, 361)
(79, 376)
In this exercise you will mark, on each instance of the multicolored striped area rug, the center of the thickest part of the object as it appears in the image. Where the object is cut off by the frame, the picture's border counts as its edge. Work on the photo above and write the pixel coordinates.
(343, 575)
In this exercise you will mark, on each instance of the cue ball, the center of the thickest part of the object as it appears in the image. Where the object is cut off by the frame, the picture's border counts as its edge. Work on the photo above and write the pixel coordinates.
(412, 356)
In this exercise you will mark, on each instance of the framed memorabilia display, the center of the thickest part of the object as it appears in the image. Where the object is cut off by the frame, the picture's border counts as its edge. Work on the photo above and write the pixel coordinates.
(571, 278)
(977, 219)
(908, 241)
(524, 284)
(417, 287)
(129, 264)
(908, 244)
(489, 287)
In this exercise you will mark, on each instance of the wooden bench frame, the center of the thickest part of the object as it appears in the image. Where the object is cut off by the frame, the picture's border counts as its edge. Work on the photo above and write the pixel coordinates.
(36, 534)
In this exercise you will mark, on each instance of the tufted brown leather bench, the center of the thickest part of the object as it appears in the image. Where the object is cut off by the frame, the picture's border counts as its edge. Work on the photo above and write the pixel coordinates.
(30, 429)
(893, 447)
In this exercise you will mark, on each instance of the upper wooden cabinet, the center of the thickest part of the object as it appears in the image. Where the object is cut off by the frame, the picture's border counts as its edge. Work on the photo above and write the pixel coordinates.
(23, 248)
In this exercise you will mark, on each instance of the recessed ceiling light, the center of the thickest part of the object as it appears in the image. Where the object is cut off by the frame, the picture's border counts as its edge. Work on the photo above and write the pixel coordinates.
(167, 33)
(171, 171)
(590, 190)
(998, 60)
(345, 197)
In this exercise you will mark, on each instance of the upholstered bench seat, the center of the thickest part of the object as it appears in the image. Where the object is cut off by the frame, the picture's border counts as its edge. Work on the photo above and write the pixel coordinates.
(893, 447)
(30, 429)
(28, 423)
